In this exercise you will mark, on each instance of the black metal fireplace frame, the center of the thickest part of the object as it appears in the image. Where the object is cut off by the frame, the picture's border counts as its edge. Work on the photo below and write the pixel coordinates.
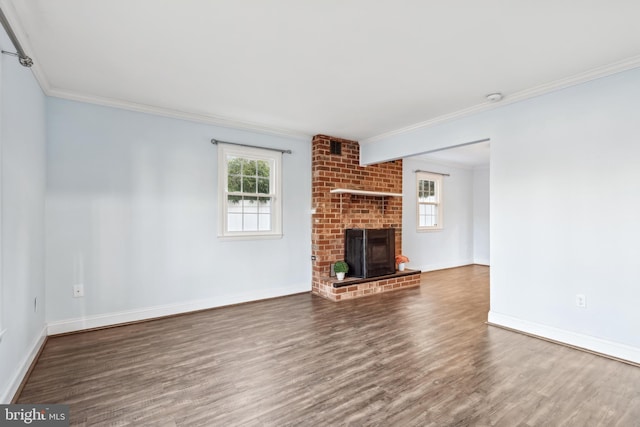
(370, 252)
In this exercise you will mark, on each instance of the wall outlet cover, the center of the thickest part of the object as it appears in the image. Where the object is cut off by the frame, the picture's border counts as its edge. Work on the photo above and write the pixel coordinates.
(78, 291)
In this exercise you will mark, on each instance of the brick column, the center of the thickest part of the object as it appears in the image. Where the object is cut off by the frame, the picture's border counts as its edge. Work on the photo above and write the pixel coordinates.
(331, 171)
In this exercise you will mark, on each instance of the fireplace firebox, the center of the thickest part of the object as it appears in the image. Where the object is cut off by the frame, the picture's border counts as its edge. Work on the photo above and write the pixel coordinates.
(370, 252)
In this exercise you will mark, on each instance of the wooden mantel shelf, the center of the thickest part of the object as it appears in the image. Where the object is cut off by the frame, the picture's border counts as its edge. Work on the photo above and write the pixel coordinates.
(365, 192)
(382, 194)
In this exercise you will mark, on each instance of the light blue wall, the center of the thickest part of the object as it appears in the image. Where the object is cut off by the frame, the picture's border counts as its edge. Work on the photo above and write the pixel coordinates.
(564, 200)
(132, 215)
(423, 140)
(453, 245)
(481, 215)
(22, 195)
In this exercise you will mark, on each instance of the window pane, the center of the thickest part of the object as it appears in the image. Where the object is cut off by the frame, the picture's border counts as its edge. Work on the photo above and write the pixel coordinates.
(263, 185)
(249, 168)
(234, 183)
(250, 222)
(264, 169)
(248, 176)
(428, 216)
(234, 165)
(264, 222)
(426, 191)
(264, 205)
(248, 184)
(247, 213)
(234, 221)
(264, 217)
(250, 205)
(234, 202)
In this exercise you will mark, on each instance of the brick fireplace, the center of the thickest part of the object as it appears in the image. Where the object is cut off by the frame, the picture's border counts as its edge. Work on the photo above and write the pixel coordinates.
(336, 164)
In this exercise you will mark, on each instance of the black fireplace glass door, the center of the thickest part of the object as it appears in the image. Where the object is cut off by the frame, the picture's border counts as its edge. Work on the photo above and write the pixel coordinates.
(354, 251)
(380, 252)
(370, 252)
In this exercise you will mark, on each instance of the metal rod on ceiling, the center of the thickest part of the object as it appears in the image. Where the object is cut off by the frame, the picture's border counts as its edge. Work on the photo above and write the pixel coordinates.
(24, 59)
(216, 141)
(435, 173)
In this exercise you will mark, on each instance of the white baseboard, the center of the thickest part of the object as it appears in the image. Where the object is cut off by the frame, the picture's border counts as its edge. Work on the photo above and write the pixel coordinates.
(23, 368)
(587, 342)
(110, 319)
(441, 266)
(482, 261)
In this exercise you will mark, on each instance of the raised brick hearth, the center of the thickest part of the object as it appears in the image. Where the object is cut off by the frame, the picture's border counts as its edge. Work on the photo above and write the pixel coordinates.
(335, 290)
(335, 212)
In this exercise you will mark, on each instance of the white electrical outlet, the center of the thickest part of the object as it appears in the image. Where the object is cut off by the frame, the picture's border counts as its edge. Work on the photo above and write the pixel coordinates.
(78, 291)
(581, 301)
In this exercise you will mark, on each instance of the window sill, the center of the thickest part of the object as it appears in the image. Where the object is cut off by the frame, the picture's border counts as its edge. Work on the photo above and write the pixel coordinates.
(250, 237)
(429, 230)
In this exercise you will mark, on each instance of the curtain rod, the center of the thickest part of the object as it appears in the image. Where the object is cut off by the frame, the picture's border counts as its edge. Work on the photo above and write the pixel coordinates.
(25, 61)
(436, 173)
(216, 141)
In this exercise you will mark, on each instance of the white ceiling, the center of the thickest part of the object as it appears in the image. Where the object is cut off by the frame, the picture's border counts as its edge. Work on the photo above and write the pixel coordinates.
(355, 69)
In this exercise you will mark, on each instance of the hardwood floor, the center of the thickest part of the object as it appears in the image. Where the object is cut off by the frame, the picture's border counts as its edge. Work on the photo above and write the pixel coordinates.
(417, 357)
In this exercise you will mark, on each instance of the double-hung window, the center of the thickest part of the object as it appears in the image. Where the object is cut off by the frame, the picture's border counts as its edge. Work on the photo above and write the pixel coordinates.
(429, 197)
(250, 192)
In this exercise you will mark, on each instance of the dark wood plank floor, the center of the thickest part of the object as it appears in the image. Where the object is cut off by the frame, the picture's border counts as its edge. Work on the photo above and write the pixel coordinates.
(416, 357)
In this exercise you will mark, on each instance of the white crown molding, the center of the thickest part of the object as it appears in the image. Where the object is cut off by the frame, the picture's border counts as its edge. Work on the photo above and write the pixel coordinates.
(603, 71)
(177, 114)
(48, 90)
(596, 73)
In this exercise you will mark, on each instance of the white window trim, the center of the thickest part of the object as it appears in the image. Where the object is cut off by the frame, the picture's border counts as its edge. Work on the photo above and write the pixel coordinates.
(426, 176)
(225, 150)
